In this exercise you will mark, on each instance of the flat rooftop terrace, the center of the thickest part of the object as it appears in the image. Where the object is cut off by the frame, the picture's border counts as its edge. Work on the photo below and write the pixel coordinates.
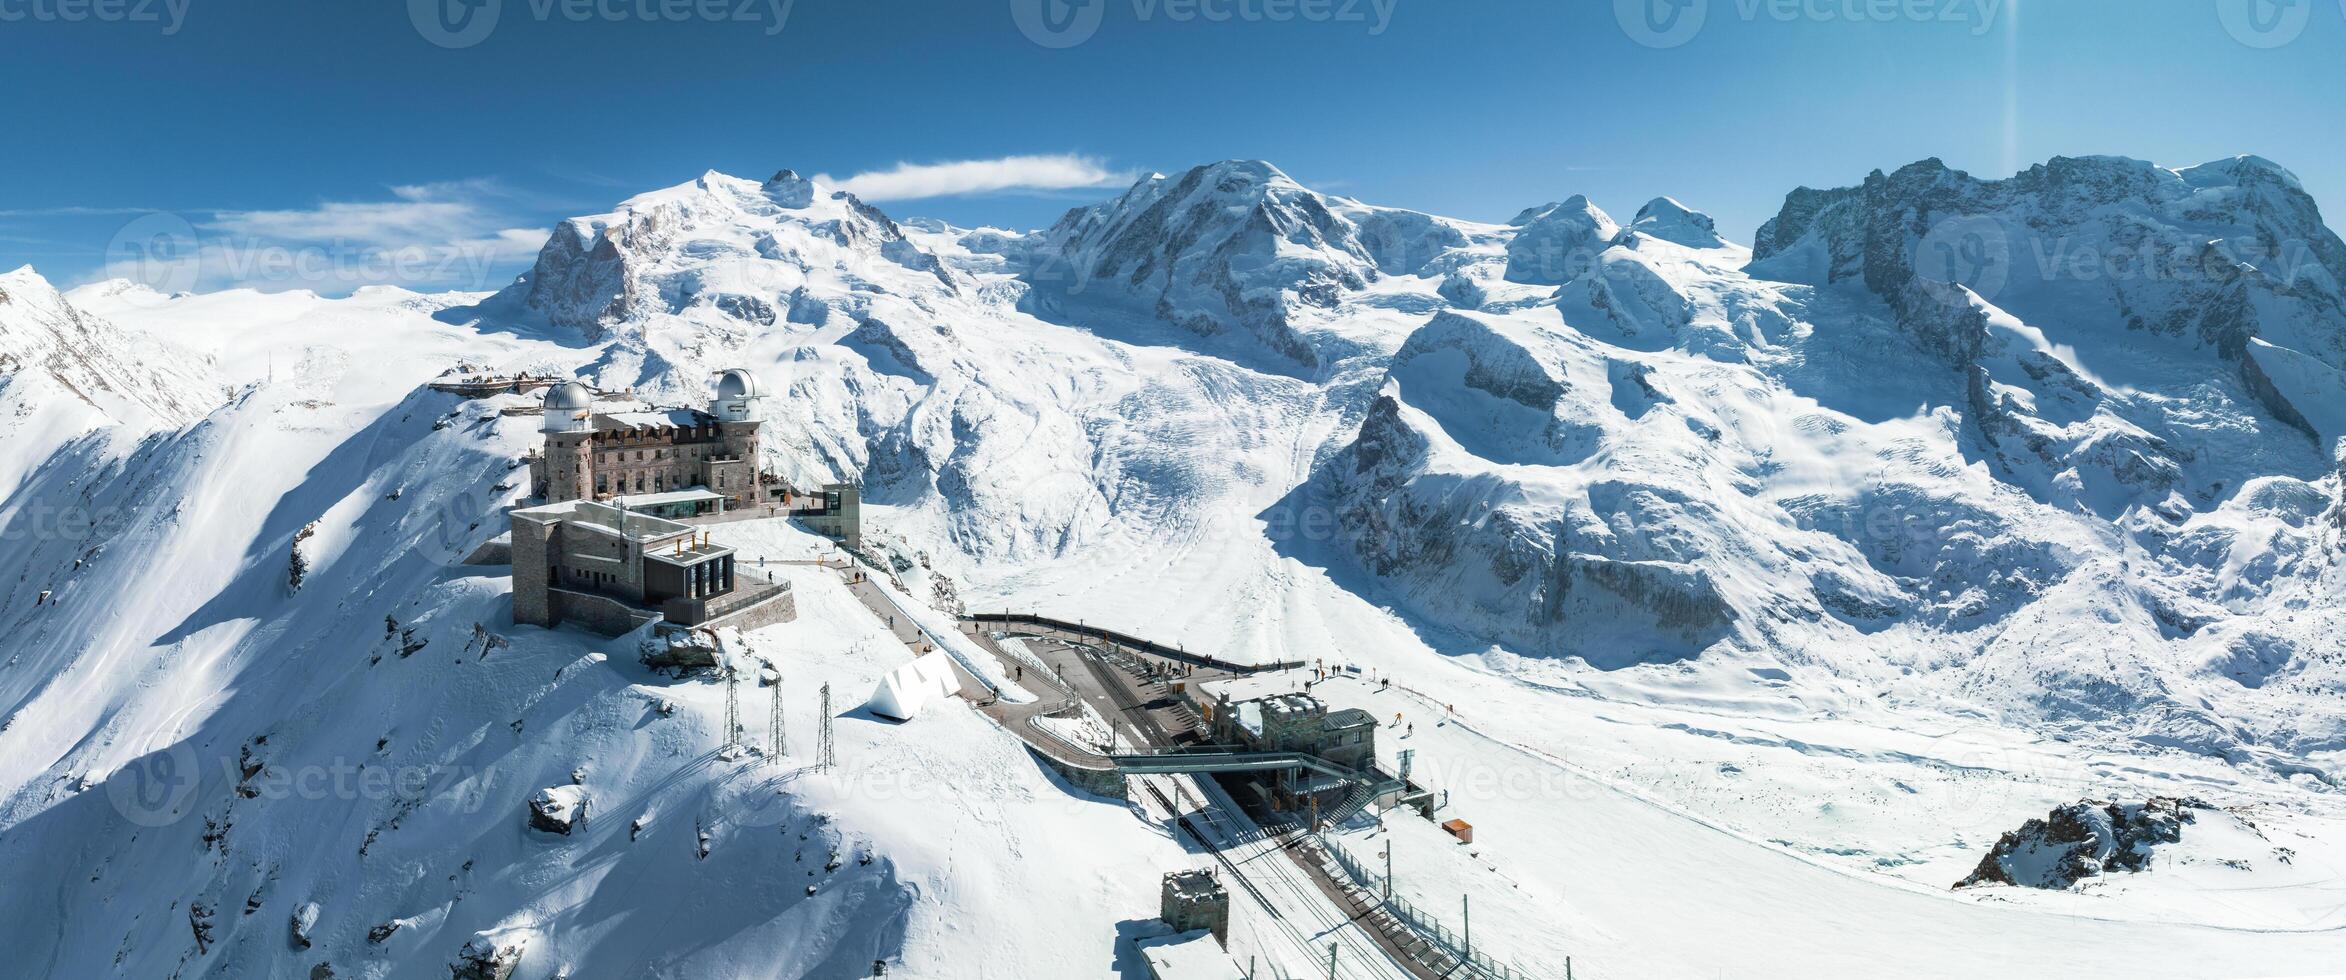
(633, 526)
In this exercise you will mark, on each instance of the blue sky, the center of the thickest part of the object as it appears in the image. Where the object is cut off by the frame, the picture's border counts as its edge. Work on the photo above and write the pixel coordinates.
(324, 140)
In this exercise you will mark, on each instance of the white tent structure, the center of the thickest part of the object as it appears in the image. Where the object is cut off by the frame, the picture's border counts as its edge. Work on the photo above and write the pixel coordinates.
(908, 689)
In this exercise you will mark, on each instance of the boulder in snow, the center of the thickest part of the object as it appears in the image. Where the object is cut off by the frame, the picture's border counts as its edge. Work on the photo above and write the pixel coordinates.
(2083, 840)
(305, 918)
(486, 958)
(556, 809)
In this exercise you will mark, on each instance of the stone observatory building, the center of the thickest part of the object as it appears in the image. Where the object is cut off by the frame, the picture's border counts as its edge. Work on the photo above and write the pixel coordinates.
(670, 462)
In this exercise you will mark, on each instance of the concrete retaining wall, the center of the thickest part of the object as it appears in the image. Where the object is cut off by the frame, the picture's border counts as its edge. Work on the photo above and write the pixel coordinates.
(782, 608)
(599, 613)
(1098, 782)
(1134, 642)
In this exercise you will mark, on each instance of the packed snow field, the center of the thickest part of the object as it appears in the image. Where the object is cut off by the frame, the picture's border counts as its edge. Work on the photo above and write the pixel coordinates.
(1748, 593)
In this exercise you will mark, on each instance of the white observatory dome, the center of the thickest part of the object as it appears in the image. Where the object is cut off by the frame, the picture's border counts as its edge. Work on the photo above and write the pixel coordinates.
(738, 383)
(736, 389)
(566, 407)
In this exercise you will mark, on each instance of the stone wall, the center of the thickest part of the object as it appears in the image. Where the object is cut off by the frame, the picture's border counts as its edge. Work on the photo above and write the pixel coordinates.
(781, 608)
(602, 614)
(579, 551)
(530, 541)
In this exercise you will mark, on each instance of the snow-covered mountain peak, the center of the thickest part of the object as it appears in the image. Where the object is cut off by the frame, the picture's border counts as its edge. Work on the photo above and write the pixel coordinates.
(57, 358)
(721, 258)
(1577, 204)
(790, 190)
(1238, 246)
(1666, 219)
(1553, 243)
(117, 291)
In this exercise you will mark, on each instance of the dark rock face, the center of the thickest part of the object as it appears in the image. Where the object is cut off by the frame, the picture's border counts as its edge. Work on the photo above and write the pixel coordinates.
(2338, 510)
(2085, 233)
(2083, 840)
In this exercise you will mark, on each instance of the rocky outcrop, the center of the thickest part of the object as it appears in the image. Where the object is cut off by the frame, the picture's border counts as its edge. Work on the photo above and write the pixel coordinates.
(486, 958)
(297, 559)
(557, 809)
(2338, 508)
(2083, 840)
(303, 920)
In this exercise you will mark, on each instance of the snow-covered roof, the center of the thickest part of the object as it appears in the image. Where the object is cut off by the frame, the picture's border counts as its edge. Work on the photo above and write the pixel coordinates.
(606, 518)
(657, 418)
(1188, 956)
(685, 496)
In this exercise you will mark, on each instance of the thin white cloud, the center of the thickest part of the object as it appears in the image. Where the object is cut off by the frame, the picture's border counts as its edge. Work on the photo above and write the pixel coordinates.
(423, 213)
(452, 235)
(1040, 172)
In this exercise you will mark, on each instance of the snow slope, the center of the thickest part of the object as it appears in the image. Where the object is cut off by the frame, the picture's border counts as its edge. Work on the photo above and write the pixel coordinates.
(197, 760)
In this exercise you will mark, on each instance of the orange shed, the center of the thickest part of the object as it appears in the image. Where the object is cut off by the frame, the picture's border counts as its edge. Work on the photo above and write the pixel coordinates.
(1460, 829)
